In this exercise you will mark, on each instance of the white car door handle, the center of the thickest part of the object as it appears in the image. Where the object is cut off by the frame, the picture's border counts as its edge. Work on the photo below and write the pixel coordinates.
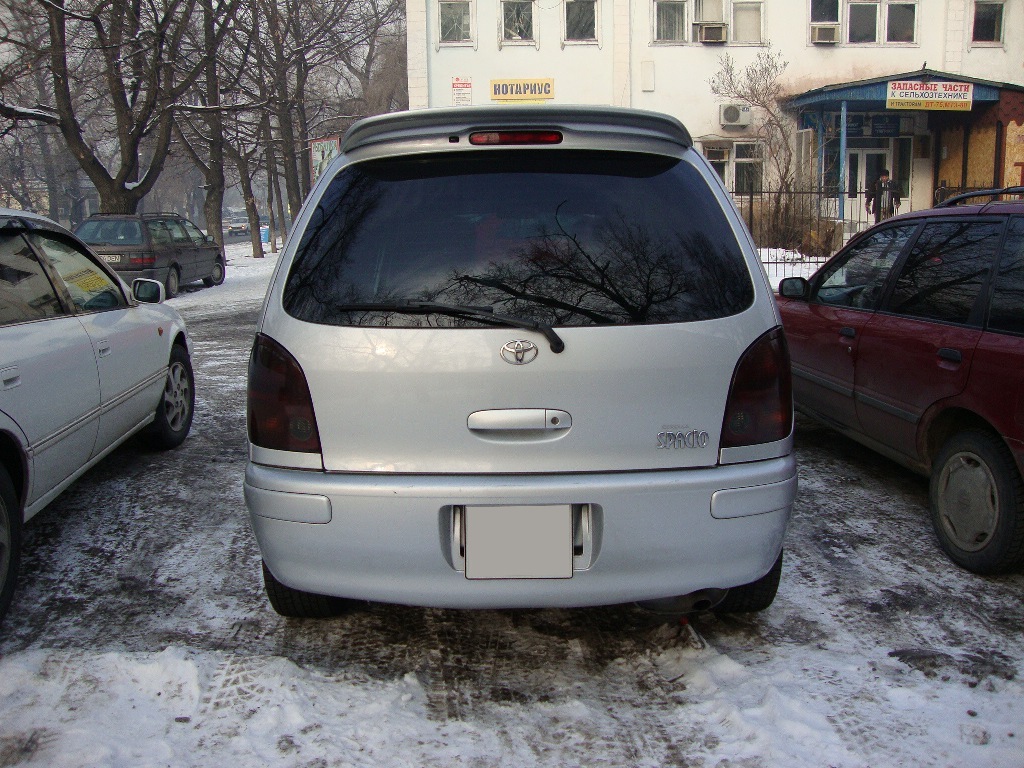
(103, 347)
(10, 377)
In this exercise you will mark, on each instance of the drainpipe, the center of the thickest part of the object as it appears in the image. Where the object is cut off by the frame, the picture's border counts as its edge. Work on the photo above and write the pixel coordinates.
(842, 163)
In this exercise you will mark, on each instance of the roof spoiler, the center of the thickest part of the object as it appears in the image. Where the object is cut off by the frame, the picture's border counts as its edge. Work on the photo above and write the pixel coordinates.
(437, 123)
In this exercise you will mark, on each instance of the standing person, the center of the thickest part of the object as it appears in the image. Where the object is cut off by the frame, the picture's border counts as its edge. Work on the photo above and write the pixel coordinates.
(883, 197)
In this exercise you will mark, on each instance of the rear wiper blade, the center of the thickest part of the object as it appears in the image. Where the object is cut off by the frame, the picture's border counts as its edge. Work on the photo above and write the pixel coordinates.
(484, 314)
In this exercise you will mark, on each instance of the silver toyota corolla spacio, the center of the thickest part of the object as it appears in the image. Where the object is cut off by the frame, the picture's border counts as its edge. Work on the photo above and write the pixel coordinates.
(519, 357)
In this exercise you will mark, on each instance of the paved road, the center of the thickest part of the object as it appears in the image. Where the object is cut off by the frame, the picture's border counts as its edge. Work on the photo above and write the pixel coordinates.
(152, 550)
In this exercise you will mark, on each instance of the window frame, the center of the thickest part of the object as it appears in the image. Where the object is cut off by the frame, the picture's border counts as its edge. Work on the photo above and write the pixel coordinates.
(685, 24)
(502, 39)
(469, 41)
(596, 39)
(977, 314)
(60, 300)
(60, 284)
(882, 9)
(1001, 41)
(733, 26)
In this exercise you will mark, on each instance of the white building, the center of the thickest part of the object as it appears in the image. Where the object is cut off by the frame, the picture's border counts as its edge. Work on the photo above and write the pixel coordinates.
(844, 56)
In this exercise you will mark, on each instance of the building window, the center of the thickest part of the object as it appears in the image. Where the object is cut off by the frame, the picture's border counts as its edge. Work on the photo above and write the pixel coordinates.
(455, 21)
(749, 166)
(581, 20)
(864, 19)
(988, 23)
(669, 21)
(899, 26)
(863, 27)
(746, 22)
(824, 11)
(516, 20)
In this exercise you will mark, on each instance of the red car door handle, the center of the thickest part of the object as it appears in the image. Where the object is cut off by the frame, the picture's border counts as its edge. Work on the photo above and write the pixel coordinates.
(952, 355)
(847, 332)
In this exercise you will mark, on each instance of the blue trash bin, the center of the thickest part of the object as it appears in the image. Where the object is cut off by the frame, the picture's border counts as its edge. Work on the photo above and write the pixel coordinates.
(264, 234)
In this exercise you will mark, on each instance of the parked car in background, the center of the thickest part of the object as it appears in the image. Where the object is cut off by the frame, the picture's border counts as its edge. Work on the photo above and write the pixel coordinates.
(84, 365)
(159, 246)
(911, 341)
(238, 227)
(520, 357)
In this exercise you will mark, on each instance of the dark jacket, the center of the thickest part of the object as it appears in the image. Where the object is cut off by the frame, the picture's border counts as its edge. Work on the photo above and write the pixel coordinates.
(883, 198)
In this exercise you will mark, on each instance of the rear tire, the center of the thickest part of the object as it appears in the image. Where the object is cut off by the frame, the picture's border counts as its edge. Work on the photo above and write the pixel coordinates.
(173, 282)
(174, 413)
(10, 540)
(296, 604)
(977, 503)
(217, 276)
(755, 596)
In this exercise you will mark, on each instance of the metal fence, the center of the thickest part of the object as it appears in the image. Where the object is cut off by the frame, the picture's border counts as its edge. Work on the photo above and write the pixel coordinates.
(795, 230)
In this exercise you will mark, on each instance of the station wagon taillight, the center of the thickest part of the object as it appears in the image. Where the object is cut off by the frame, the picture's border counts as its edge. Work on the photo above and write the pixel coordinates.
(760, 404)
(280, 407)
(142, 260)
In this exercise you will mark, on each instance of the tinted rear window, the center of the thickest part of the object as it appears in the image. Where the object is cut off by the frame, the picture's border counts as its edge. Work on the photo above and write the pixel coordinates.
(568, 238)
(107, 232)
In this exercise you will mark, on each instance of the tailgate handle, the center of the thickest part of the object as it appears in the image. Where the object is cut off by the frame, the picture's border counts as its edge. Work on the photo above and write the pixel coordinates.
(847, 332)
(510, 419)
(952, 355)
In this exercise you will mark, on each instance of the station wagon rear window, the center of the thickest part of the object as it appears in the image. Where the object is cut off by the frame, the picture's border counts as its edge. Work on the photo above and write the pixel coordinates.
(562, 237)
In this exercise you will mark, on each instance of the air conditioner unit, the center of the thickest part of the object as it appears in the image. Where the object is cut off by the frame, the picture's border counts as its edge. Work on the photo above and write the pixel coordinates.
(824, 34)
(713, 33)
(734, 115)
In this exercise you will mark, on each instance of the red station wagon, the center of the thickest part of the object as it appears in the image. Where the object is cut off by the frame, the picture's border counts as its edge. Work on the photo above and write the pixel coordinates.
(911, 341)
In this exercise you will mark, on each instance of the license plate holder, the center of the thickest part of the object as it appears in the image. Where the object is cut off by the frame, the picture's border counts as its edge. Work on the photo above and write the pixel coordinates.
(111, 258)
(519, 542)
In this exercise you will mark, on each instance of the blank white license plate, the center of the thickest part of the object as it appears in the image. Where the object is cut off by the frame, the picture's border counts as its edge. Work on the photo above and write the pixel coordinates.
(519, 542)
(111, 258)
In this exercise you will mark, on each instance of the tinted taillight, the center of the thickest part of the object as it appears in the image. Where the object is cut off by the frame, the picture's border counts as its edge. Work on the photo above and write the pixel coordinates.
(142, 260)
(280, 407)
(760, 404)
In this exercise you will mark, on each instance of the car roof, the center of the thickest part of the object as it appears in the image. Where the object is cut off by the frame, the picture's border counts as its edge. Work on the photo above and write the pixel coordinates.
(425, 124)
(11, 218)
(154, 215)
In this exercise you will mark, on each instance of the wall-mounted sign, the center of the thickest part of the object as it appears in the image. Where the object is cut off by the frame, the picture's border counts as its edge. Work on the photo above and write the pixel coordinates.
(915, 94)
(854, 124)
(531, 89)
(885, 125)
(322, 151)
(462, 91)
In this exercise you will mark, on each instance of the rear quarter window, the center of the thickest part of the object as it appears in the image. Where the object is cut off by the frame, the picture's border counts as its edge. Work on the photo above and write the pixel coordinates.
(567, 238)
(1007, 307)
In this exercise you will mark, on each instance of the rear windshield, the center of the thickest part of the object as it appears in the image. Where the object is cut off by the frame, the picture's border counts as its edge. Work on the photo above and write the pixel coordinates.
(566, 238)
(116, 232)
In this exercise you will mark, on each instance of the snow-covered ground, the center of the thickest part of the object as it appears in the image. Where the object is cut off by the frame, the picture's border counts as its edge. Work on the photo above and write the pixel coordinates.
(140, 636)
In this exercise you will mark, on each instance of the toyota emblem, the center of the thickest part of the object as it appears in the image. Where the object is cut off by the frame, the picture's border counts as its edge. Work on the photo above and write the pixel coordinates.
(519, 352)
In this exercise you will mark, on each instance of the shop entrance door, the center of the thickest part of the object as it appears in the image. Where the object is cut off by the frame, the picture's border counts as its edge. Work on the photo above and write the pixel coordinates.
(862, 169)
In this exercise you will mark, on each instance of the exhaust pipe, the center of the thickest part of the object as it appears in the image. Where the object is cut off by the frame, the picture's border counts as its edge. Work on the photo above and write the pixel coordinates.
(695, 602)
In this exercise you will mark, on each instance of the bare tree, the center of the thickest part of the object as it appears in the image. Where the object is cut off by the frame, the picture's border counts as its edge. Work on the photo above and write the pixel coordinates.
(116, 61)
(760, 85)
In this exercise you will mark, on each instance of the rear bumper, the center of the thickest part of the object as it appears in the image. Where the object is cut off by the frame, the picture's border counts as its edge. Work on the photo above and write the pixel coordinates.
(651, 534)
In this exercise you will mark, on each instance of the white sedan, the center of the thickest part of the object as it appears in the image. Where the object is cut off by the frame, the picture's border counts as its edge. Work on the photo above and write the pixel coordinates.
(85, 363)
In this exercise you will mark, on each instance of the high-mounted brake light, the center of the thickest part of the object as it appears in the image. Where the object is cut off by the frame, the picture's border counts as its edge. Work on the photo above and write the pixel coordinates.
(505, 138)
(280, 407)
(760, 404)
